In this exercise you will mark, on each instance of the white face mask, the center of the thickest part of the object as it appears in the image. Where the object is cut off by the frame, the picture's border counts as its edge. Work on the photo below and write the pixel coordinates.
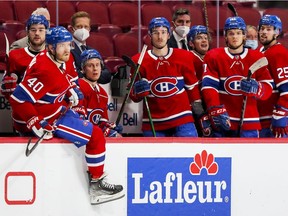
(252, 43)
(81, 34)
(182, 30)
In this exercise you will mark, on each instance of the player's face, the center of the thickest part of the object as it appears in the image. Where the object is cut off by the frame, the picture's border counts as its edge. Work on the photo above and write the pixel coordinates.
(63, 51)
(92, 69)
(36, 34)
(159, 37)
(201, 43)
(235, 38)
(266, 34)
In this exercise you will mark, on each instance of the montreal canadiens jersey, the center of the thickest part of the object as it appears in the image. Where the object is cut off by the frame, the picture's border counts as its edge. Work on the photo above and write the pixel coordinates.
(95, 101)
(277, 56)
(198, 65)
(221, 84)
(42, 90)
(173, 86)
(19, 59)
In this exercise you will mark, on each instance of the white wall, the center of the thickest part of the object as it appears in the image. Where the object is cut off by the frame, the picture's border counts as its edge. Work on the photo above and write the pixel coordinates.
(52, 180)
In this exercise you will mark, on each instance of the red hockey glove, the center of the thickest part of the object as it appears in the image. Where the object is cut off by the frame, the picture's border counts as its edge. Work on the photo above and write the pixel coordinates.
(279, 122)
(219, 118)
(81, 111)
(141, 88)
(8, 85)
(110, 129)
(40, 127)
(205, 125)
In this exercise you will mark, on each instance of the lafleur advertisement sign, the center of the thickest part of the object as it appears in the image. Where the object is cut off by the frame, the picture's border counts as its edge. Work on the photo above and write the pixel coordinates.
(179, 186)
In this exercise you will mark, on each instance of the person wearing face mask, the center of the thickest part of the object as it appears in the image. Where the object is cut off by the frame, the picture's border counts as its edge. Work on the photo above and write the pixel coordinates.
(182, 21)
(80, 28)
(251, 37)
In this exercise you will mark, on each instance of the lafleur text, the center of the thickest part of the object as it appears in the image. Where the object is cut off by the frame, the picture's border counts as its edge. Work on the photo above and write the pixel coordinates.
(188, 192)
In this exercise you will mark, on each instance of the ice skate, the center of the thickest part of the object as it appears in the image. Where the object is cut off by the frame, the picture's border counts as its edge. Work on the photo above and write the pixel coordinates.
(101, 191)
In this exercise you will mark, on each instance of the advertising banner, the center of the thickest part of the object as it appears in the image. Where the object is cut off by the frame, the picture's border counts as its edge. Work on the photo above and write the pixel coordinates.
(160, 176)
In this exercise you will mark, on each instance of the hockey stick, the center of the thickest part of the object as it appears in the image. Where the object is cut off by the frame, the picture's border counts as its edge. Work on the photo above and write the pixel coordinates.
(131, 84)
(7, 54)
(254, 67)
(28, 150)
(206, 18)
(232, 9)
(7, 45)
(130, 63)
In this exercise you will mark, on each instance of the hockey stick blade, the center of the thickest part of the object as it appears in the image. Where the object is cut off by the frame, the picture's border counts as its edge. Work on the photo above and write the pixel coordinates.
(7, 44)
(143, 51)
(129, 61)
(257, 65)
(30, 150)
(232, 9)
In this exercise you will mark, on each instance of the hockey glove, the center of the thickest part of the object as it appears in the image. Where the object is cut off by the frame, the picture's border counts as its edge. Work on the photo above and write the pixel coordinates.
(110, 129)
(141, 88)
(8, 85)
(219, 118)
(205, 125)
(81, 111)
(74, 95)
(40, 127)
(251, 88)
(279, 122)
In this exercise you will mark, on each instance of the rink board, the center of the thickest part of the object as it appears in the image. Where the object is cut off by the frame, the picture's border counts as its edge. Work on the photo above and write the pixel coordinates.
(162, 176)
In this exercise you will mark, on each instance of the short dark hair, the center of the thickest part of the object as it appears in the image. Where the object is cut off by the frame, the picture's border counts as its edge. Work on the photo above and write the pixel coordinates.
(180, 12)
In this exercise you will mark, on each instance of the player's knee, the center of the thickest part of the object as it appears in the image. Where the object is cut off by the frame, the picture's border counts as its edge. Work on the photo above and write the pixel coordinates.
(97, 141)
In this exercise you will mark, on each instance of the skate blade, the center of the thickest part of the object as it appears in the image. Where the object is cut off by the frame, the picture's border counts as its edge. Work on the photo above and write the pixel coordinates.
(105, 198)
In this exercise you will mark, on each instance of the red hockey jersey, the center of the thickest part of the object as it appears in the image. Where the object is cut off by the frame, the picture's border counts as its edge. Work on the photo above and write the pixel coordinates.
(95, 101)
(173, 87)
(19, 59)
(277, 56)
(221, 84)
(41, 91)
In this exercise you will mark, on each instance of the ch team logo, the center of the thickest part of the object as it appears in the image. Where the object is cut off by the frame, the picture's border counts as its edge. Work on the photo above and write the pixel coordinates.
(95, 116)
(179, 186)
(164, 87)
(232, 85)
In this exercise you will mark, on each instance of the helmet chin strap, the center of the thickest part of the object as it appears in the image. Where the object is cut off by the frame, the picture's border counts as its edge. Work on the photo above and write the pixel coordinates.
(55, 59)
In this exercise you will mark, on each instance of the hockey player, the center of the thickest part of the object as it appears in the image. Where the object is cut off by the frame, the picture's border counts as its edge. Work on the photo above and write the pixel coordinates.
(198, 39)
(95, 97)
(19, 59)
(276, 107)
(170, 85)
(225, 84)
(41, 97)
